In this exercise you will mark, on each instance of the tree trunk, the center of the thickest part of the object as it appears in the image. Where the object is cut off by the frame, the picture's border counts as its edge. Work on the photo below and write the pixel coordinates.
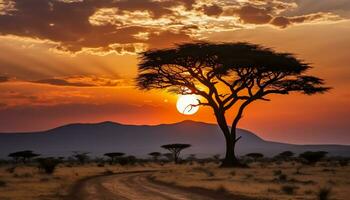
(230, 159)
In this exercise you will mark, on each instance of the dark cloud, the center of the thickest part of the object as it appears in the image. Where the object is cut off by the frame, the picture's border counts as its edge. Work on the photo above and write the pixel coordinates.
(254, 15)
(68, 23)
(212, 10)
(84, 81)
(118, 25)
(62, 82)
(283, 22)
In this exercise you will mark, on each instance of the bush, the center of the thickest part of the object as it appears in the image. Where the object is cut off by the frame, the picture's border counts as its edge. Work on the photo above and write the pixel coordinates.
(48, 165)
(289, 189)
(324, 193)
(3, 183)
(255, 156)
(282, 177)
(11, 170)
(277, 172)
(343, 162)
(312, 157)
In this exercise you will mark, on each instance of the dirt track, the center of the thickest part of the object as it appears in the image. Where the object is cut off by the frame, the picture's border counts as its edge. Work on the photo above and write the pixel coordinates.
(137, 186)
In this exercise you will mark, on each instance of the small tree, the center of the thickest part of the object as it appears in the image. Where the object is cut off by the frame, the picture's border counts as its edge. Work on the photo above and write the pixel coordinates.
(48, 165)
(82, 157)
(114, 156)
(175, 149)
(169, 156)
(255, 156)
(25, 156)
(312, 157)
(224, 76)
(155, 155)
(285, 155)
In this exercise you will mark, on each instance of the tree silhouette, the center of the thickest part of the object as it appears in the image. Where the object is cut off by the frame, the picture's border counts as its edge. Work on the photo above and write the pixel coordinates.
(48, 165)
(225, 76)
(82, 157)
(155, 155)
(23, 155)
(255, 156)
(114, 156)
(175, 149)
(313, 157)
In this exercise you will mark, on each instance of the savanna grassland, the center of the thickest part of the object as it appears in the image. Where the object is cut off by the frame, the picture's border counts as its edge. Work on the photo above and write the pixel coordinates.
(264, 180)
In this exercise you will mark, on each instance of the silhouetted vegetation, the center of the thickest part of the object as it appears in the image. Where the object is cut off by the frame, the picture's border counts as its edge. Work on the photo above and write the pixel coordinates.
(114, 156)
(255, 156)
(248, 72)
(48, 165)
(285, 155)
(81, 157)
(175, 149)
(23, 156)
(155, 155)
(324, 193)
(312, 157)
(289, 189)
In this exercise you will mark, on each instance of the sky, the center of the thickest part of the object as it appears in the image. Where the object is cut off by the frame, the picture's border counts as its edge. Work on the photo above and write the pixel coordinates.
(68, 61)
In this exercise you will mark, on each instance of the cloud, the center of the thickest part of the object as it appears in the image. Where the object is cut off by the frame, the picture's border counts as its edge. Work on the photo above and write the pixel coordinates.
(212, 10)
(283, 22)
(7, 7)
(84, 81)
(253, 15)
(127, 27)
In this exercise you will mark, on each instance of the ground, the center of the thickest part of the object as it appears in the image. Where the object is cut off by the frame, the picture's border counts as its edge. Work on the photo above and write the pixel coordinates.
(262, 180)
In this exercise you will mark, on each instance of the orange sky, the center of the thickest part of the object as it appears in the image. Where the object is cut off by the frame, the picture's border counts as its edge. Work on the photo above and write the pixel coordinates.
(70, 65)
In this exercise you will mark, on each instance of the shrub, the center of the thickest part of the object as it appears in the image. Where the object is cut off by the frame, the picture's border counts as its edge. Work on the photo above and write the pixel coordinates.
(289, 189)
(3, 183)
(282, 177)
(343, 162)
(11, 170)
(312, 157)
(48, 165)
(255, 156)
(277, 172)
(324, 193)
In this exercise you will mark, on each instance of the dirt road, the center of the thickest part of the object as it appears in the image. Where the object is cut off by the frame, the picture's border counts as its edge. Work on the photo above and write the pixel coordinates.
(138, 186)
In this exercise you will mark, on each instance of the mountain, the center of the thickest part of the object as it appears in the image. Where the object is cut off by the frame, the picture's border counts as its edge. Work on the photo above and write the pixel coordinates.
(139, 140)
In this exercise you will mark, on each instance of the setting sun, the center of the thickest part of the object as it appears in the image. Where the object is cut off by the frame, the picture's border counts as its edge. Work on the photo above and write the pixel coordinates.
(185, 104)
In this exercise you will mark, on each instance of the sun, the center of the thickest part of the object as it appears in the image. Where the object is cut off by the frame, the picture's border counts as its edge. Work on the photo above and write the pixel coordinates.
(184, 103)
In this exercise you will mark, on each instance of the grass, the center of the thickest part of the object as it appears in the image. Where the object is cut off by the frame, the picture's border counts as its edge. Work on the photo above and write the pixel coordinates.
(28, 183)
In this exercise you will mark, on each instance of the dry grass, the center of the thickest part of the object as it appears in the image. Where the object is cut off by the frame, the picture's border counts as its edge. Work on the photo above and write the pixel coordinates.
(27, 183)
(273, 181)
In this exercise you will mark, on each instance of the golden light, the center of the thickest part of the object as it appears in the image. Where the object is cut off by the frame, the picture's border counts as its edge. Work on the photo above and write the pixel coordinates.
(186, 104)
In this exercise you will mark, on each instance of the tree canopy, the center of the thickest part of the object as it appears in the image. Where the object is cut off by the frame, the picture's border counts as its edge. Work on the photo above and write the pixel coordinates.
(175, 149)
(248, 71)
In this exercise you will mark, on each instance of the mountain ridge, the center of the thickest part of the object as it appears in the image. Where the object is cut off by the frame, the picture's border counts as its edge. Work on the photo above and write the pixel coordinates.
(108, 136)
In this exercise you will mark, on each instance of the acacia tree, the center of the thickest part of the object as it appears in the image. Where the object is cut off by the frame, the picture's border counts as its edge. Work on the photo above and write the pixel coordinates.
(175, 149)
(225, 76)
(114, 156)
(23, 155)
